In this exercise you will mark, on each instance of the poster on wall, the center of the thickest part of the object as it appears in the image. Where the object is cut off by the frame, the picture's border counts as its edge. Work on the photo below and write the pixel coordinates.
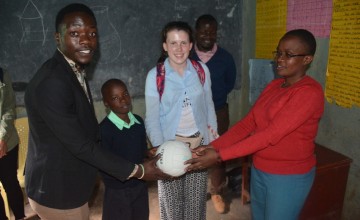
(270, 26)
(313, 15)
(274, 18)
(343, 75)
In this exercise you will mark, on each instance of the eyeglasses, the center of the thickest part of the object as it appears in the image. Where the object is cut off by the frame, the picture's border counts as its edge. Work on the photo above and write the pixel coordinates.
(286, 55)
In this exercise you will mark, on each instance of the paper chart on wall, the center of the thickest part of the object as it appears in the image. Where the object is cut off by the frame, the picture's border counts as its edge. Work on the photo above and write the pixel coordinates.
(270, 26)
(343, 74)
(313, 15)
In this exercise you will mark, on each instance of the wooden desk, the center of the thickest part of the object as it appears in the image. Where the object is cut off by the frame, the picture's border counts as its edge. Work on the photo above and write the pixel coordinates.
(326, 198)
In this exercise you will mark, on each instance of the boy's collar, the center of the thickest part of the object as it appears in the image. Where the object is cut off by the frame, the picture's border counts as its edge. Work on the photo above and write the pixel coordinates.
(121, 124)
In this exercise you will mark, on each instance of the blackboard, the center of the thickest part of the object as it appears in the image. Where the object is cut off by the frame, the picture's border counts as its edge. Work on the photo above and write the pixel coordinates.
(261, 72)
(129, 41)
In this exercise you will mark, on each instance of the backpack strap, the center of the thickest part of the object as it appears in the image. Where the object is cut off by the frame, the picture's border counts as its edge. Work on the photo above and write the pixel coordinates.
(160, 78)
(160, 75)
(200, 71)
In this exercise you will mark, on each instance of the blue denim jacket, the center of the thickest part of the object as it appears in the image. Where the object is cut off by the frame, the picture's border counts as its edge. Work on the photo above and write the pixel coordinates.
(162, 118)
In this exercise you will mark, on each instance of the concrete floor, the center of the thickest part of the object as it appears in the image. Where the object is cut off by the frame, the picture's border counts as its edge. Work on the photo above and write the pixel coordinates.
(235, 211)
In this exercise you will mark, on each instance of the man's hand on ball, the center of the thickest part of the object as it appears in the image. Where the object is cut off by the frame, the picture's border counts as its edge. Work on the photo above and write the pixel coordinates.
(152, 172)
(151, 152)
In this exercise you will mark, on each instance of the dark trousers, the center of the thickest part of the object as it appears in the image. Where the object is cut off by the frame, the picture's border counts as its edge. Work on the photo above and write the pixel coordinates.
(2, 209)
(8, 178)
(131, 203)
(217, 172)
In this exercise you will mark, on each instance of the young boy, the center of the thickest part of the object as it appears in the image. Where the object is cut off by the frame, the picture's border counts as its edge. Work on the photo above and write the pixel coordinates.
(123, 133)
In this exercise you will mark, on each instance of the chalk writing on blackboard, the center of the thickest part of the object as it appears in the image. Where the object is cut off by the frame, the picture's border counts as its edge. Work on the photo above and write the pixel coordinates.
(179, 7)
(231, 12)
(33, 35)
(109, 37)
(32, 24)
(219, 5)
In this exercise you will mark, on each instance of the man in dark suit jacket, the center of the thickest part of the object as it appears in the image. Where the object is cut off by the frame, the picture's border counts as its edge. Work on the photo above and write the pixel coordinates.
(64, 153)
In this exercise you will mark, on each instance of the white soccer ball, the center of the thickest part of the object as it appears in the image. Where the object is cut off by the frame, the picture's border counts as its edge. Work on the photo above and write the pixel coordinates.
(173, 156)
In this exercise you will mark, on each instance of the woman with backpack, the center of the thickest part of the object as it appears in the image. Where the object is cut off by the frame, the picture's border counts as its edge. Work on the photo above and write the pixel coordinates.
(179, 106)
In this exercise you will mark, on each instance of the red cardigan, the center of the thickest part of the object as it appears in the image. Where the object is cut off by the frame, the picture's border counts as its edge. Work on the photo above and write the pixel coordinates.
(279, 130)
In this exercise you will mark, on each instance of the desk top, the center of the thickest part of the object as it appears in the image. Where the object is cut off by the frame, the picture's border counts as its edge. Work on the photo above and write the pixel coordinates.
(327, 158)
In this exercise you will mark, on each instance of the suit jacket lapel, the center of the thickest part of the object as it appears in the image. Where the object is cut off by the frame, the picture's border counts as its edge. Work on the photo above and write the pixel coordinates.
(73, 77)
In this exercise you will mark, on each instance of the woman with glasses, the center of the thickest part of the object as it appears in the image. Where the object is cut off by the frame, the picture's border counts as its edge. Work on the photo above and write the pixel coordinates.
(279, 131)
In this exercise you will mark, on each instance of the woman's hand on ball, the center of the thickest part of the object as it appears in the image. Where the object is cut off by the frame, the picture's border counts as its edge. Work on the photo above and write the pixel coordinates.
(206, 158)
(197, 151)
